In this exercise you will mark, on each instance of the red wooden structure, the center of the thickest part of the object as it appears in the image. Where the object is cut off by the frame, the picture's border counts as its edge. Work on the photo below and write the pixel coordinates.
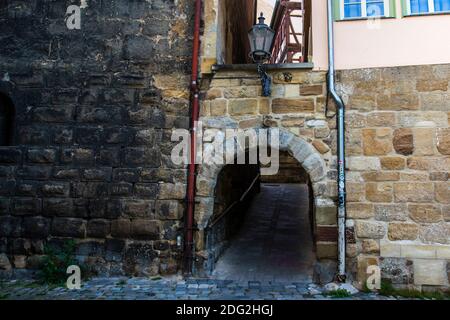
(292, 24)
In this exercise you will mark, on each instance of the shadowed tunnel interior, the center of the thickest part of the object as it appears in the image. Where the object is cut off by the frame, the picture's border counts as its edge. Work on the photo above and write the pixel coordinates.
(267, 234)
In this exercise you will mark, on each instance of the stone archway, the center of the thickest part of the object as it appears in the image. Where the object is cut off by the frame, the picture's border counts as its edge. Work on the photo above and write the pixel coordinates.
(324, 211)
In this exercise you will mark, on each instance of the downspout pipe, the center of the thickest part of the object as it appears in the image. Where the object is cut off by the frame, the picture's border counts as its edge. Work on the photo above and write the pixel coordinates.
(188, 252)
(340, 118)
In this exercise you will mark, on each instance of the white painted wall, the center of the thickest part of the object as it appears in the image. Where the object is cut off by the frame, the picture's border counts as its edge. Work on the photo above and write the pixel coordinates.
(266, 7)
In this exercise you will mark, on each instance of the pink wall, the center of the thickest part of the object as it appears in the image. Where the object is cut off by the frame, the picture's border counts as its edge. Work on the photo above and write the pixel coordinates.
(395, 42)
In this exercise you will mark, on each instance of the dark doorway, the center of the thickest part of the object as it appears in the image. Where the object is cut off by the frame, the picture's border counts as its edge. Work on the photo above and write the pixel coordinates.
(271, 237)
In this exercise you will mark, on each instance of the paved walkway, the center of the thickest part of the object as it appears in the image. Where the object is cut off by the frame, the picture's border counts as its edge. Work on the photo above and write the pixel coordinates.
(168, 289)
(271, 259)
(275, 241)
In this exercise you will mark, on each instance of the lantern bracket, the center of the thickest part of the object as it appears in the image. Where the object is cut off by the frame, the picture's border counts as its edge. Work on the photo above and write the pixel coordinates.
(266, 81)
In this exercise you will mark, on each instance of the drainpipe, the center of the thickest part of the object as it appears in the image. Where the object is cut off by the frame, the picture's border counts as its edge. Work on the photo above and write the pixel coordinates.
(192, 167)
(340, 118)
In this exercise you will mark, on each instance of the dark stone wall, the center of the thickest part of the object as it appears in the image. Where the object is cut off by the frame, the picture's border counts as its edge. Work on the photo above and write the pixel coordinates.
(94, 113)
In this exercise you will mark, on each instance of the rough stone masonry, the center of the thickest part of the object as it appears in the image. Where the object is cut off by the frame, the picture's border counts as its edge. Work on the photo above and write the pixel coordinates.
(94, 112)
(397, 149)
(398, 152)
(399, 161)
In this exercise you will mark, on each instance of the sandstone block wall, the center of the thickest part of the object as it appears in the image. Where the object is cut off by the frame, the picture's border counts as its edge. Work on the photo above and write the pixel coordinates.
(232, 99)
(290, 171)
(95, 108)
(398, 159)
(398, 171)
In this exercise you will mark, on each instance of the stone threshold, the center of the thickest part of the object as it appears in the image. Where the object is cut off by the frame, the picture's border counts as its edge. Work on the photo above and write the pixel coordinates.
(252, 67)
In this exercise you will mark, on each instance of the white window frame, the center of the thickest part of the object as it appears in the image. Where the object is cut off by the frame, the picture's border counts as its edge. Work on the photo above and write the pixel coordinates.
(430, 8)
(387, 8)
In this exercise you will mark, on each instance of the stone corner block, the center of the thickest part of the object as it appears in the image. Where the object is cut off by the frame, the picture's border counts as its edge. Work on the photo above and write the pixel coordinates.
(430, 272)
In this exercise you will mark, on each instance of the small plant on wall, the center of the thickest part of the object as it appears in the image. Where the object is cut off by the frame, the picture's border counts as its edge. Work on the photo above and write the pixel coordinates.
(55, 263)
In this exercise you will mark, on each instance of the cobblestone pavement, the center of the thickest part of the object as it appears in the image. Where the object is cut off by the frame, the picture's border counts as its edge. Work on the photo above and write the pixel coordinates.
(167, 289)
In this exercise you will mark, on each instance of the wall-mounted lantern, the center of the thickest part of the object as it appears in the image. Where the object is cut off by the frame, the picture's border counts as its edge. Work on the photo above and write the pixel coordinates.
(261, 38)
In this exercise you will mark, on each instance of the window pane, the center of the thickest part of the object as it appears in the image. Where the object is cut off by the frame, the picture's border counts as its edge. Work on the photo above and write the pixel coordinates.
(352, 8)
(375, 8)
(441, 5)
(419, 6)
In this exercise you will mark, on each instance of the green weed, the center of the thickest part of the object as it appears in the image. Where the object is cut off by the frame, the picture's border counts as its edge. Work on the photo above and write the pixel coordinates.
(339, 293)
(55, 263)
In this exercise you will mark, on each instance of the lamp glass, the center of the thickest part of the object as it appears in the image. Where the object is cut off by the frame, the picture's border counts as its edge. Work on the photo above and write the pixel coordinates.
(260, 37)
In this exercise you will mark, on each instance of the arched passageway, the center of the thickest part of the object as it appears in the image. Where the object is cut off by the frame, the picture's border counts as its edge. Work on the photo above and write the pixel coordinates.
(262, 225)
(293, 201)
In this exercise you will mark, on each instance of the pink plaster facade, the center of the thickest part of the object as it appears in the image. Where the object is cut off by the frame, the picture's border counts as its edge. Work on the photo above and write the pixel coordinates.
(388, 42)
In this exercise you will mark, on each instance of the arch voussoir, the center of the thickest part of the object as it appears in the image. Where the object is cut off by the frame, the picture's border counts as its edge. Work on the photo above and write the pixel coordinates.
(300, 149)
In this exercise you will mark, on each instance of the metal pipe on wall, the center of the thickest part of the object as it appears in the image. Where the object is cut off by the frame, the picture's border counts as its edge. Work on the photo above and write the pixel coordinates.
(340, 118)
(192, 167)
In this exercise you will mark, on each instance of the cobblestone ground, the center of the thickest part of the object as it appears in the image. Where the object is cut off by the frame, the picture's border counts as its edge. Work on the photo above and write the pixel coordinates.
(168, 289)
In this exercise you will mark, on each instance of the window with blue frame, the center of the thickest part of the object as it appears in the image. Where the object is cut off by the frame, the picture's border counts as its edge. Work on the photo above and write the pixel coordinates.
(419, 6)
(441, 5)
(353, 9)
(375, 8)
(427, 6)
